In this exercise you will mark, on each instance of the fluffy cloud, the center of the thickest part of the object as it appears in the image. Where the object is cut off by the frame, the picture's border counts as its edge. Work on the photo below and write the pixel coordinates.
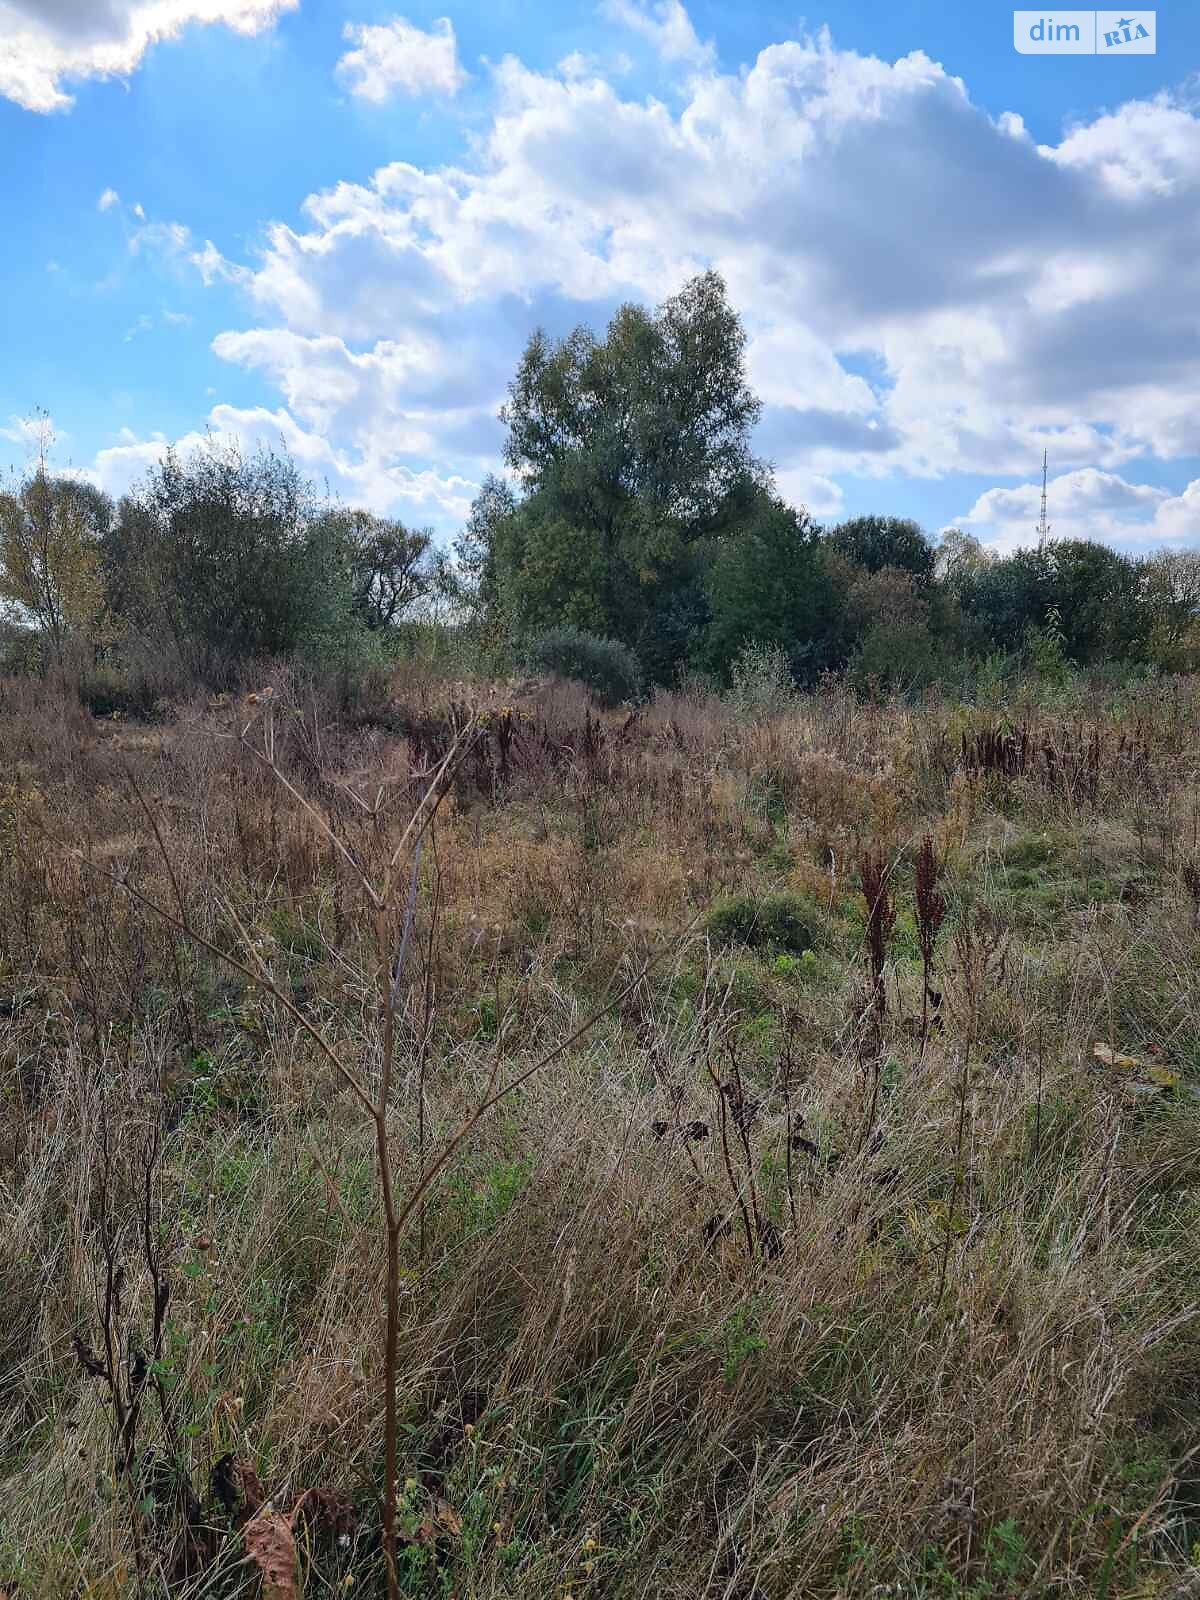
(666, 24)
(1087, 504)
(409, 397)
(397, 57)
(926, 290)
(376, 481)
(854, 206)
(48, 43)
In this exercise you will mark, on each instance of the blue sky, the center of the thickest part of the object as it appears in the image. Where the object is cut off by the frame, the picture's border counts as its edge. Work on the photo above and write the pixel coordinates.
(335, 222)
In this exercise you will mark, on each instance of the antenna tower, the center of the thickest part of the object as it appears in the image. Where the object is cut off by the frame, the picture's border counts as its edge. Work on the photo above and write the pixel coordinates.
(1043, 526)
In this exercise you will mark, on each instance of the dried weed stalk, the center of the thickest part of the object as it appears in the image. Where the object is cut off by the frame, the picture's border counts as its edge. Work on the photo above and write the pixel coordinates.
(389, 899)
(931, 910)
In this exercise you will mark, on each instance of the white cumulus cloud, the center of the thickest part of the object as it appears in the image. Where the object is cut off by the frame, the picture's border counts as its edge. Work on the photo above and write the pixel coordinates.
(397, 57)
(375, 481)
(1086, 504)
(666, 24)
(926, 290)
(49, 44)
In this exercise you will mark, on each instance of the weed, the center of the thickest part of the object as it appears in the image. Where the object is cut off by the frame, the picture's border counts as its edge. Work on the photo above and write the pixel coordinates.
(776, 922)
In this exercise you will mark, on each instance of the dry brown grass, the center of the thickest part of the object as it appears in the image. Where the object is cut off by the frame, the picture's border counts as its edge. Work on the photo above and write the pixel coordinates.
(952, 1353)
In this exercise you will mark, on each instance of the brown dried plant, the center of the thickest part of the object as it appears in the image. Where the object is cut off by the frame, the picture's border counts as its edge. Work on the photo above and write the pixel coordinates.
(873, 874)
(931, 910)
(389, 898)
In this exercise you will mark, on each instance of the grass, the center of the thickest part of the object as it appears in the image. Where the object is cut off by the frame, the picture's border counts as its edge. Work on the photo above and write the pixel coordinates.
(746, 1295)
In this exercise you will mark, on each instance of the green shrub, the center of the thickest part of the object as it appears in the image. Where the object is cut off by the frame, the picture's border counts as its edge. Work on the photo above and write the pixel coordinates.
(901, 656)
(762, 681)
(776, 922)
(609, 669)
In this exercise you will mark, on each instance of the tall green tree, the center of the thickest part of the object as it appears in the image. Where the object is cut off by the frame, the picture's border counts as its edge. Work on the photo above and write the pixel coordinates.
(390, 567)
(876, 542)
(1010, 595)
(473, 580)
(1096, 592)
(1169, 597)
(632, 449)
(1093, 591)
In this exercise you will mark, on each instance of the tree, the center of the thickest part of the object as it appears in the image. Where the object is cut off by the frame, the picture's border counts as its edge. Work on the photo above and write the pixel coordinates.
(767, 585)
(473, 583)
(549, 571)
(958, 556)
(1091, 590)
(50, 558)
(659, 410)
(391, 567)
(1096, 593)
(1169, 590)
(898, 655)
(1010, 595)
(632, 449)
(239, 559)
(876, 542)
(886, 597)
(137, 580)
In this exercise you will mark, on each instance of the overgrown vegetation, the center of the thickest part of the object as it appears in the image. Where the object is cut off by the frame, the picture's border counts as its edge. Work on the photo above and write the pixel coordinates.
(658, 1056)
(791, 1131)
(637, 543)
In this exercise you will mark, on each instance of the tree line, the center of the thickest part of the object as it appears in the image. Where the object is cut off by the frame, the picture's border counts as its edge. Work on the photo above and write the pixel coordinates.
(635, 537)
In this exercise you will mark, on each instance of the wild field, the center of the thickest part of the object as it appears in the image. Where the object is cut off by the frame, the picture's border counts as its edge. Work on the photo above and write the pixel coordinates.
(773, 1129)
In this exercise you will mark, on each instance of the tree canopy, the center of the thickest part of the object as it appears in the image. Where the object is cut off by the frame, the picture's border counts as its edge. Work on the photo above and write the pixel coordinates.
(634, 526)
(51, 532)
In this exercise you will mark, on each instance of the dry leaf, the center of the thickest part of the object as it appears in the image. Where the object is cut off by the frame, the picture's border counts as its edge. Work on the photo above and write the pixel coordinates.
(237, 1486)
(1157, 1075)
(1113, 1058)
(249, 1486)
(443, 1522)
(447, 1518)
(271, 1545)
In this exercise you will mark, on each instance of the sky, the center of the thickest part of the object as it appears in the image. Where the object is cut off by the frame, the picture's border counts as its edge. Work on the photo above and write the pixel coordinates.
(333, 225)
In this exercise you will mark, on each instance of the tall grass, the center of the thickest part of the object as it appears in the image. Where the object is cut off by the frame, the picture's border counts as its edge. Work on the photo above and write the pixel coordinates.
(754, 1287)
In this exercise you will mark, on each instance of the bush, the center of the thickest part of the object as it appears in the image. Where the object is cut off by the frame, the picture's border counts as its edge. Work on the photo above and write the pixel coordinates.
(135, 681)
(20, 648)
(763, 685)
(901, 657)
(609, 669)
(776, 922)
(225, 557)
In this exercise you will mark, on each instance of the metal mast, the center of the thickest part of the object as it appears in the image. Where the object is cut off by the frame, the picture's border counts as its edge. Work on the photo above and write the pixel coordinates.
(1043, 525)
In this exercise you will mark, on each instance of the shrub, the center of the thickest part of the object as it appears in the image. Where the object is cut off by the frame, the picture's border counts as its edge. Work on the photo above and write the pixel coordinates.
(763, 685)
(609, 669)
(224, 556)
(20, 648)
(776, 922)
(898, 656)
